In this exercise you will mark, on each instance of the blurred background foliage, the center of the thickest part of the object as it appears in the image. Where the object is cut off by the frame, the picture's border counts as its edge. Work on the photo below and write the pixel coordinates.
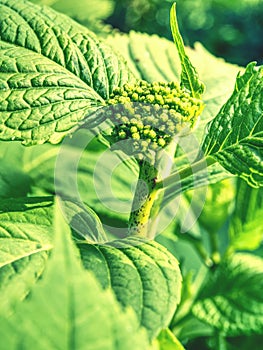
(229, 29)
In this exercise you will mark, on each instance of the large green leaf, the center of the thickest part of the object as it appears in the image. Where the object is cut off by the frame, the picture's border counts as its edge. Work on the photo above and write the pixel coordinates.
(53, 73)
(235, 136)
(25, 240)
(77, 313)
(232, 301)
(143, 275)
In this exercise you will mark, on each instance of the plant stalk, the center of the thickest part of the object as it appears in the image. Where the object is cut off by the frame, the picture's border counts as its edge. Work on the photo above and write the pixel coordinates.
(144, 198)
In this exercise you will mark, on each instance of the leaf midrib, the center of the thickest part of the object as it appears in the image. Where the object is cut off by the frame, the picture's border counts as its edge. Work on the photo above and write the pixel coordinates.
(46, 248)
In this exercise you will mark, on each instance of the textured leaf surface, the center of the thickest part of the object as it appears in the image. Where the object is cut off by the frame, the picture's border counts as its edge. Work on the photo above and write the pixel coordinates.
(77, 313)
(232, 299)
(142, 274)
(25, 240)
(189, 76)
(53, 73)
(235, 135)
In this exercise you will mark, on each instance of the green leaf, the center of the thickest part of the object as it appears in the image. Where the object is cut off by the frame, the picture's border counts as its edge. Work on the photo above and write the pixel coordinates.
(25, 241)
(211, 175)
(83, 10)
(231, 300)
(13, 181)
(53, 73)
(235, 137)
(143, 275)
(78, 313)
(246, 231)
(189, 76)
(168, 341)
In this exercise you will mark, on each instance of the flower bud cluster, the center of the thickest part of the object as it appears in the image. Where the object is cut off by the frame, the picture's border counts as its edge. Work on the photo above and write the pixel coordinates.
(151, 114)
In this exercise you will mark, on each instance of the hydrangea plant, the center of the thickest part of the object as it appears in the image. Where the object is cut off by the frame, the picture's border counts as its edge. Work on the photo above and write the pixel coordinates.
(98, 279)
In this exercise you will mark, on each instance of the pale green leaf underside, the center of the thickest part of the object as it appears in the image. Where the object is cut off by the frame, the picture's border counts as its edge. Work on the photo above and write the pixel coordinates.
(53, 73)
(232, 301)
(189, 76)
(77, 313)
(235, 136)
(143, 275)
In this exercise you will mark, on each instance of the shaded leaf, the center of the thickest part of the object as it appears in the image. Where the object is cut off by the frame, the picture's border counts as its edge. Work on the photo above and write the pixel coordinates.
(232, 301)
(13, 181)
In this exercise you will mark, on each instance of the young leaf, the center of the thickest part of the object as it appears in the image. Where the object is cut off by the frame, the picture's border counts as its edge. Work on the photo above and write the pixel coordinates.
(53, 73)
(235, 137)
(143, 275)
(77, 313)
(189, 76)
(232, 301)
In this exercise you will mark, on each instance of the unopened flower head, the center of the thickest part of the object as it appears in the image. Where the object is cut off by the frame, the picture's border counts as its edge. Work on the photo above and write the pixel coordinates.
(152, 112)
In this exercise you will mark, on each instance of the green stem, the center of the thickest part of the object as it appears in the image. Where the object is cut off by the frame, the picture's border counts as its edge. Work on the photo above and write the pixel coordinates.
(185, 172)
(144, 198)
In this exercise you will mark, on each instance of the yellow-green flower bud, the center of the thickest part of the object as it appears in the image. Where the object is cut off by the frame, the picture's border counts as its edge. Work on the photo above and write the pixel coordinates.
(136, 136)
